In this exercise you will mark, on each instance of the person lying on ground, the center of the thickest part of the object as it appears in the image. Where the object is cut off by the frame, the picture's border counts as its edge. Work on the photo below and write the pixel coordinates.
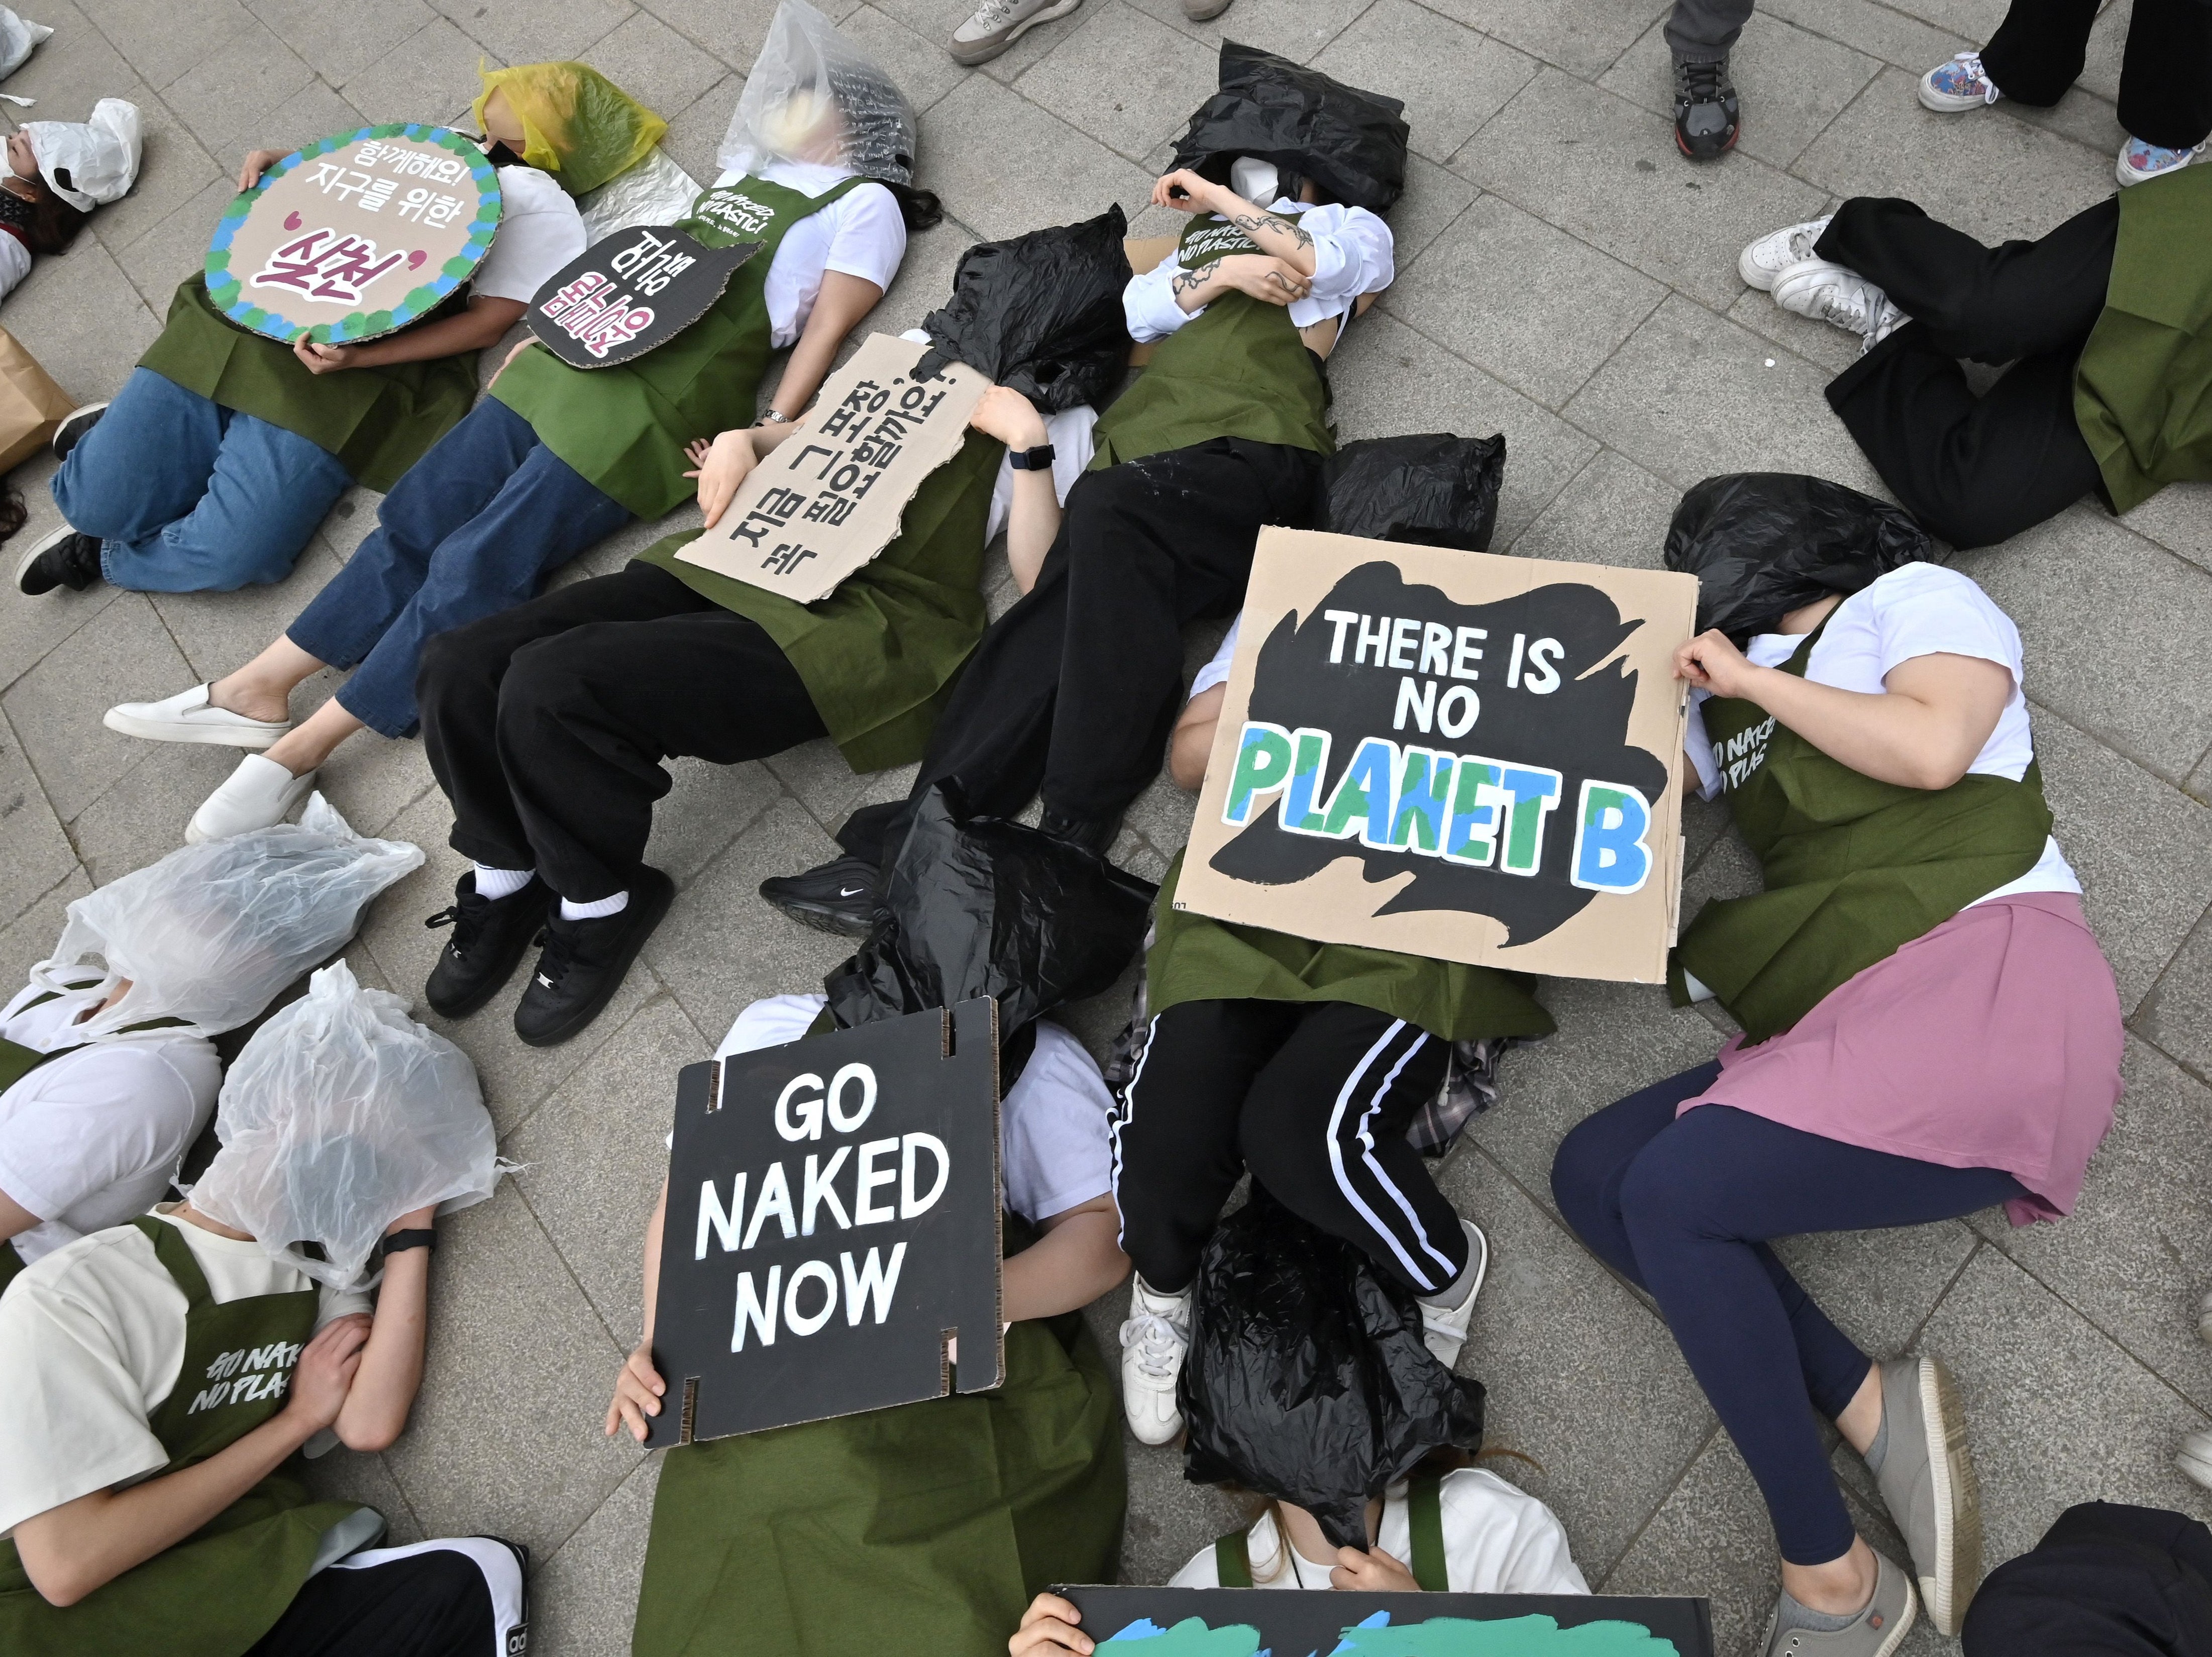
(58, 172)
(803, 1542)
(1930, 1029)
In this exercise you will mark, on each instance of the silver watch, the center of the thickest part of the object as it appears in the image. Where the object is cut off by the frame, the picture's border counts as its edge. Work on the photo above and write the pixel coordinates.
(773, 418)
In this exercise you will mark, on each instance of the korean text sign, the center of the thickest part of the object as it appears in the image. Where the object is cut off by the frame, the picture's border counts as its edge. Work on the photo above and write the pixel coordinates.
(833, 1222)
(829, 497)
(1451, 755)
(630, 292)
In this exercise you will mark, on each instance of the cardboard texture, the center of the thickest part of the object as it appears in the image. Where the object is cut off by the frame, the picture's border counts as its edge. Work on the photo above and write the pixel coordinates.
(833, 1222)
(1478, 758)
(630, 292)
(1145, 254)
(1194, 1623)
(31, 403)
(830, 496)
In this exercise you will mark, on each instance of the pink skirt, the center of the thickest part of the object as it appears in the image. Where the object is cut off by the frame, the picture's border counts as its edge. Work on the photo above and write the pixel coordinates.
(1992, 1041)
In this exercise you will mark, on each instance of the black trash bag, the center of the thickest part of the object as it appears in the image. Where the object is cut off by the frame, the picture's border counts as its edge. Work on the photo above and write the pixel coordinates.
(1041, 313)
(1306, 1379)
(989, 907)
(1762, 544)
(1351, 144)
(1439, 490)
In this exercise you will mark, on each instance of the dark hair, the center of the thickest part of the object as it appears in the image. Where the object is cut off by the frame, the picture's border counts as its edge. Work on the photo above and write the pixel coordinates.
(920, 208)
(13, 511)
(54, 223)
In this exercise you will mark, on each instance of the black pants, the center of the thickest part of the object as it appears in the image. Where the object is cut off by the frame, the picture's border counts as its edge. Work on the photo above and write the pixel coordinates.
(437, 1602)
(546, 724)
(1072, 692)
(1974, 471)
(2166, 77)
(1315, 1098)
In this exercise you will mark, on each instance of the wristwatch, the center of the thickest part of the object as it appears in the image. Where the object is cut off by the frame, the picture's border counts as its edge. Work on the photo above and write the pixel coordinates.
(773, 418)
(422, 1237)
(1038, 459)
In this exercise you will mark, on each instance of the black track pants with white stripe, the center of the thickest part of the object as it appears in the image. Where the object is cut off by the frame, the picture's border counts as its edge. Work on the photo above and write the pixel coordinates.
(1313, 1098)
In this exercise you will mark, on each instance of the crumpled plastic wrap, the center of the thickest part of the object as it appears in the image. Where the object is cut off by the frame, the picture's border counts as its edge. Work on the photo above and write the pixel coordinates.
(813, 95)
(1041, 312)
(1437, 489)
(577, 124)
(654, 192)
(19, 38)
(1351, 143)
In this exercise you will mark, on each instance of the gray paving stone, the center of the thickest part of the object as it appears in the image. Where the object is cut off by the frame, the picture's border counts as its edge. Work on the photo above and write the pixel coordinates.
(584, 1597)
(55, 709)
(2085, 118)
(173, 170)
(933, 21)
(1709, 1536)
(140, 818)
(1122, 78)
(1829, 348)
(2179, 518)
(1169, 1518)
(2108, 39)
(1297, 29)
(88, 322)
(373, 780)
(29, 937)
(338, 43)
(733, 30)
(1867, 26)
(429, 76)
(1452, 79)
(218, 631)
(925, 71)
(1584, 37)
(643, 53)
(1792, 83)
(345, 1474)
(163, 42)
(1614, 513)
(35, 853)
(708, 806)
(173, 250)
(817, 776)
(2177, 1015)
(1879, 1286)
(522, 32)
(1005, 166)
(313, 111)
(74, 70)
(1433, 201)
(228, 98)
(1977, 20)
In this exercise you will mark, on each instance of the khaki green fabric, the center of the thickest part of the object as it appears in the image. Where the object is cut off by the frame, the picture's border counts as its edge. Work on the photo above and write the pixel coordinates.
(576, 123)
(880, 655)
(1194, 959)
(2143, 391)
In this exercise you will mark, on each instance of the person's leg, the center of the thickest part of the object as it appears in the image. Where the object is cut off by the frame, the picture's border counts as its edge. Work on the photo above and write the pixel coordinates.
(1595, 1154)
(2037, 51)
(1700, 31)
(145, 464)
(2166, 75)
(455, 1597)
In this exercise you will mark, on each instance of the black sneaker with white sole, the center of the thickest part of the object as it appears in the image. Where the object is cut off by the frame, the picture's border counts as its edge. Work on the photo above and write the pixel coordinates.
(1707, 115)
(61, 558)
(489, 939)
(583, 962)
(74, 424)
(838, 897)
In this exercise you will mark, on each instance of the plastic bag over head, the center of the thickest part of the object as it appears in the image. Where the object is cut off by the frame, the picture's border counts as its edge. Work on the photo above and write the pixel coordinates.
(19, 38)
(91, 161)
(576, 123)
(1041, 312)
(813, 95)
(1351, 143)
(1762, 544)
(340, 1115)
(1438, 490)
(1306, 1379)
(210, 933)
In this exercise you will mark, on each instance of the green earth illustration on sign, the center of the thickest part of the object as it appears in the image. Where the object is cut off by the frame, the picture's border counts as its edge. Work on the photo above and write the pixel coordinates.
(1440, 1636)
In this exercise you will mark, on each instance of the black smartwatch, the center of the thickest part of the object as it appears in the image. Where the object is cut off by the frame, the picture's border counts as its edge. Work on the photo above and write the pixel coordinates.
(1038, 459)
(421, 1238)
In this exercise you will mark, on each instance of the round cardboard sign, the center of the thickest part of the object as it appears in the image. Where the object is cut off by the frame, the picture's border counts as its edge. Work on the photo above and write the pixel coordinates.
(355, 235)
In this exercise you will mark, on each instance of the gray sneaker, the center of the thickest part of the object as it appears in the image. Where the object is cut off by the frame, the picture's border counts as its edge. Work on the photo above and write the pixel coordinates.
(998, 24)
(1200, 10)
(1876, 1632)
(1927, 1483)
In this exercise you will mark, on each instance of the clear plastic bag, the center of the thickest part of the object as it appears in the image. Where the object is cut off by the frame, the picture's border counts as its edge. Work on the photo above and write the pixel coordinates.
(813, 95)
(210, 933)
(340, 1115)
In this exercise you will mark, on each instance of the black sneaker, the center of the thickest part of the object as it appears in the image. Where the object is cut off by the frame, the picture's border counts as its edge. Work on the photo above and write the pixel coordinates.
(489, 935)
(1706, 116)
(61, 558)
(74, 424)
(838, 897)
(584, 962)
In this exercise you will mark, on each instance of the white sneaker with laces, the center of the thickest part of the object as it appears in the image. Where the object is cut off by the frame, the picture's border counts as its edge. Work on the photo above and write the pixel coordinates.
(1840, 297)
(189, 716)
(1155, 1339)
(1771, 255)
(1959, 85)
(2195, 1457)
(998, 24)
(258, 795)
(1443, 1328)
(2139, 160)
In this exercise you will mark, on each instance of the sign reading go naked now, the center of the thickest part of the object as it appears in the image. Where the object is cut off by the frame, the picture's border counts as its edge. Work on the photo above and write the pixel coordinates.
(1451, 755)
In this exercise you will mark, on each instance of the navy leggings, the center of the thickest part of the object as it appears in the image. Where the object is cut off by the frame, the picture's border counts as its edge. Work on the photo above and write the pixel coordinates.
(1684, 1209)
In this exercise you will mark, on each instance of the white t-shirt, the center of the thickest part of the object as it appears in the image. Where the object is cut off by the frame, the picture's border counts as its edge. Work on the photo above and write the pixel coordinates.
(861, 234)
(1217, 670)
(1053, 1148)
(1498, 1540)
(93, 1336)
(94, 1137)
(539, 231)
(1353, 254)
(1916, 610)
(1069, 431)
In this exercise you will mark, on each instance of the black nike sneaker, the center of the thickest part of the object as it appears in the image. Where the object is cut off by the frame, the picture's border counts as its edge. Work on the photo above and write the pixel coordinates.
(583, 962)
(840, 896)
(1706, 113)
(489, 937)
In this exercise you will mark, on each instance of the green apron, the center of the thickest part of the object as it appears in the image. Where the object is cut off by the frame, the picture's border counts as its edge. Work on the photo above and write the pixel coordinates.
(880, 655)
(377, 421)
(2143, 391)
(1196, 959)
(1855, 869)
(1238, 368)
(623, 428)
(221, 1588)
(1424, 1515)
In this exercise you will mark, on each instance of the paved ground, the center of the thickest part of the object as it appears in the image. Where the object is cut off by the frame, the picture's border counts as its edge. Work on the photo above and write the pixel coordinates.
(1565, 277)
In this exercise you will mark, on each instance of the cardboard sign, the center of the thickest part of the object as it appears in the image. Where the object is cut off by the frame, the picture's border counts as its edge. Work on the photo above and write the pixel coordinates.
(1452, 754)
(833, 1223)
(829, 497)
(1243, 1621)
(631, 292)
(356, 235)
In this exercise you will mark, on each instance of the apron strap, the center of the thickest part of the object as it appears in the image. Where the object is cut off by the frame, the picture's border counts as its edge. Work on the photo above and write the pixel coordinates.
(176, 1254)
(1424, 1511)
(1232, 1560)
(11, 1265)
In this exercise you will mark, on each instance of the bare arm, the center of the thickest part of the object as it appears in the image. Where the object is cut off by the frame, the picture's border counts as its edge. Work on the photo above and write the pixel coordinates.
(638, 1388)
(1034, 521)
(483, 324)
(1072, 1264)
(1192, 741)
(14, 1218)
(391, 1372)
(1270, 233)
(843, 302)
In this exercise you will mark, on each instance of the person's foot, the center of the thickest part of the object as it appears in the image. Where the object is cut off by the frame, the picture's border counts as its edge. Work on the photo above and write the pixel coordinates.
(487, 942)
(1443, 1328)
(584, 962)
(259, 794)
(74, 424)
(2204, 1317)
(1766, 258)
(1092, 834)
(838, 896)
(2195, 1457)
(60, 558)
(998, 24)
(190, 716)
(1876, 1631)
(1155, 1340)
(1200, 11)
(1706, 113)
(1927, 1483)
(2139, 160)
(1840, 297)
(1959, 85)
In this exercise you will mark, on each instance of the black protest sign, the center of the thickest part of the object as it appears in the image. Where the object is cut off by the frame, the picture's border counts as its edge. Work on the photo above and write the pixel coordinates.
(833, 1222)
(629, 292)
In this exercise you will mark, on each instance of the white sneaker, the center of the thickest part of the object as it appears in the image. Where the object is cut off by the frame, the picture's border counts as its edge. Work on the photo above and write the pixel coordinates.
(1443, 1328)
(1771, 255)
(998, 24)
(2204, 1317)
(1155, 1339)
(2139, 160)
(2195, 1457)
(258, 795)
(1962, 84)
(189, 716)
(1832, 293)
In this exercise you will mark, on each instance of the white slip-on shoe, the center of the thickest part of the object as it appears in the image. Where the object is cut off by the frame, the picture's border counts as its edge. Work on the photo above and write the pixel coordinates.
(2195, 1457)
(189, 716)
(1835, 294)
(1443, 1328)
(258, 795)
(1771, 254)
(1155, 1339)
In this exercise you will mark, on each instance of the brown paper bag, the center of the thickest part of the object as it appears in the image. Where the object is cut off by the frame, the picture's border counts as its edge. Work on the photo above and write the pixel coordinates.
(31, 404)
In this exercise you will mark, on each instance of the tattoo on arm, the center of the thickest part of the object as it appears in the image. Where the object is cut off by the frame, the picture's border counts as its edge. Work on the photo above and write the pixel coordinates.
(1189, 281)
(1252, 224)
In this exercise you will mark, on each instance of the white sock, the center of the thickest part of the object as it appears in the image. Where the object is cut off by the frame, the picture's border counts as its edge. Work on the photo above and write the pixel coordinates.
(497, 883)
(597, 910)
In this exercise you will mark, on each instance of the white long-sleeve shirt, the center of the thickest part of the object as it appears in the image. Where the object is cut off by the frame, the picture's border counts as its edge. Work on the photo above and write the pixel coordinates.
(1353, 254)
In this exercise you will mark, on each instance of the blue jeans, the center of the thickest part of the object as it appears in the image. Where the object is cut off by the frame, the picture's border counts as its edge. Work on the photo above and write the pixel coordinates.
(469, 530)
(188, 496)
(1684, 1209)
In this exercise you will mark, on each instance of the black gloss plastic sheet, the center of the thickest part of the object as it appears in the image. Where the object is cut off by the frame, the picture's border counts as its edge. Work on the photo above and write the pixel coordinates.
(1437, 489)
(1351, 144)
